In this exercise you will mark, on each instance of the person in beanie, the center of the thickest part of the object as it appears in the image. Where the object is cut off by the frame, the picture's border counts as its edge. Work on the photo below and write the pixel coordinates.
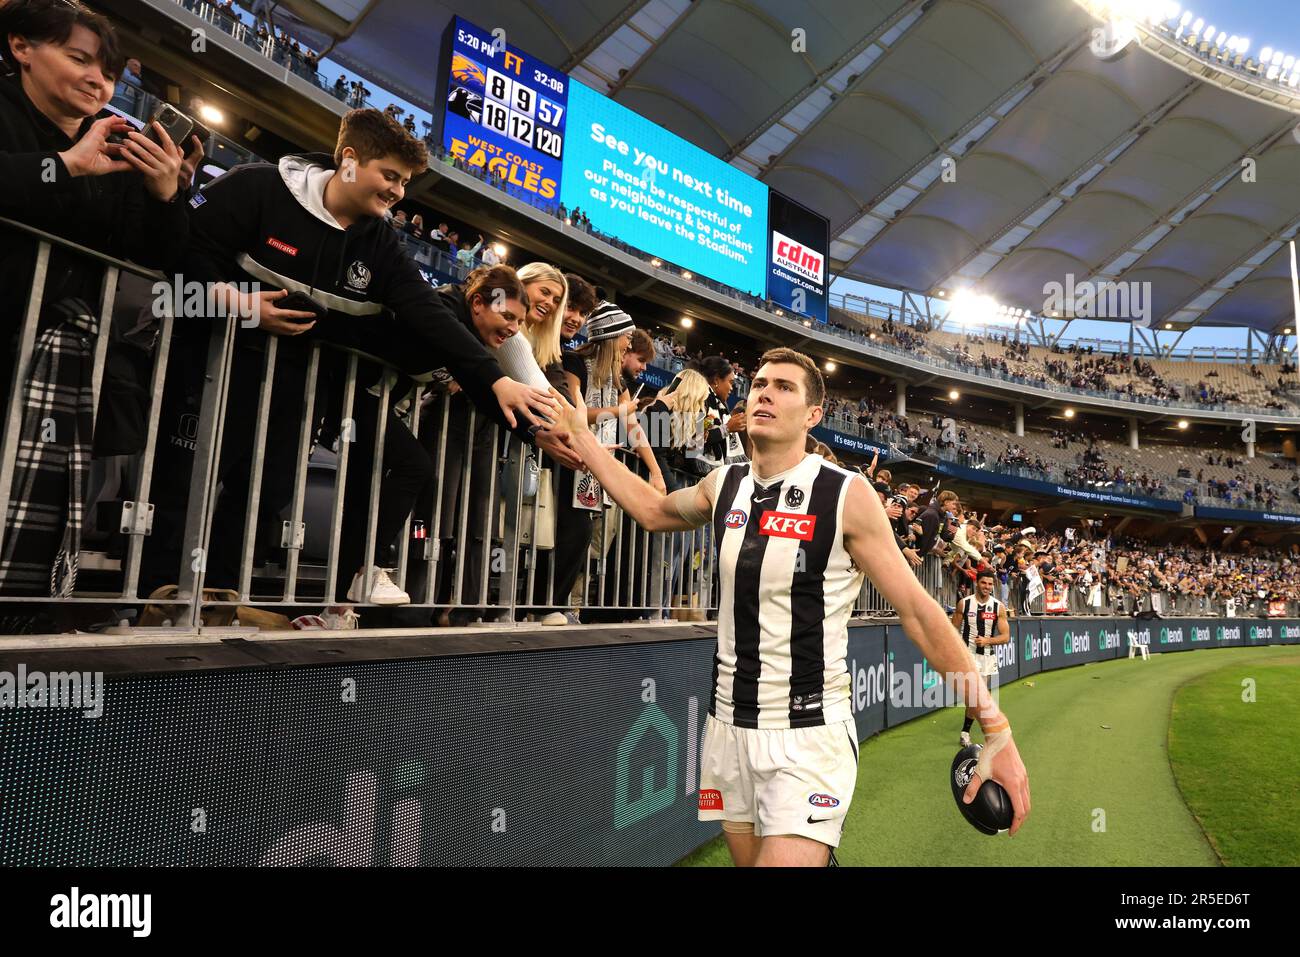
(609, 336)
(611, 411)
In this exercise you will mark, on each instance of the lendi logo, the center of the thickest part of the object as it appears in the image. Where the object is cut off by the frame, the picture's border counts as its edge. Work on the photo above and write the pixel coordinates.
(1036, 647)
(1073, 644)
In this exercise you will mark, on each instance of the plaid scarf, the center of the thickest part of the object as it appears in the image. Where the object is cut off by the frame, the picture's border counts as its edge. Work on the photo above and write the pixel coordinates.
(43, 529)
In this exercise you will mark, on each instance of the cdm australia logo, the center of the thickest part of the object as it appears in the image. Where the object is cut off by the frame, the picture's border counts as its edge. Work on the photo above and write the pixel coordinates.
(798, 258)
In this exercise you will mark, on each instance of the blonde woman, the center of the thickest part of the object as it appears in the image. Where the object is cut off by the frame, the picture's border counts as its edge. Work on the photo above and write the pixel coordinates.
(548, 294)
(676, 421)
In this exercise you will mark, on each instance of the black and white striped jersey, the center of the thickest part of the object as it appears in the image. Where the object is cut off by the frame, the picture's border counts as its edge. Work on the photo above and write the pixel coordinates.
(787, 588)
(979, 621)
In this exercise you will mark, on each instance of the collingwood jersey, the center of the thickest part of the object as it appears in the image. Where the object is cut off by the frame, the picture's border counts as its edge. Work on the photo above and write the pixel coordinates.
(979, 621)
(787, 588)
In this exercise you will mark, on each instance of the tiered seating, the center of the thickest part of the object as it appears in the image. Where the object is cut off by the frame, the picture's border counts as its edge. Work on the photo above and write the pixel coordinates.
(1159, 463)
(1178, 374)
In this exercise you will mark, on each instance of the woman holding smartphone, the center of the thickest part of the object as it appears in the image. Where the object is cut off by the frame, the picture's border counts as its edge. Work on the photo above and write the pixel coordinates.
(61, 173)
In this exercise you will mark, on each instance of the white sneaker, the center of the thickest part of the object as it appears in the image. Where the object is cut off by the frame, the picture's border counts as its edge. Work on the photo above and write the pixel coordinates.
(555, 618)
(965, 739)
(340, 618)
(383, 591)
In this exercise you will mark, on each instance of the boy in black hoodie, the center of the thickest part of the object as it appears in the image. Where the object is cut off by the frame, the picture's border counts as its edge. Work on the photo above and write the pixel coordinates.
(316, 224)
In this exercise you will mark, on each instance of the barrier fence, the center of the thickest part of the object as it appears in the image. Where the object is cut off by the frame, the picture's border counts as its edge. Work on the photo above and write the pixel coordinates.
(453, 754)
(255, 472)
(486, 533)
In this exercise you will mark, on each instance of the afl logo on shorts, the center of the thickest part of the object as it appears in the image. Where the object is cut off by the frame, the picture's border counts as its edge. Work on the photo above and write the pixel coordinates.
(823, 800)
(735, 518)
(793, 497)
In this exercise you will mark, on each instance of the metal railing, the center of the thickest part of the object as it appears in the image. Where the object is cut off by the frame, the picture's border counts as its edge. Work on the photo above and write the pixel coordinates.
(484, 534)
(486, 539)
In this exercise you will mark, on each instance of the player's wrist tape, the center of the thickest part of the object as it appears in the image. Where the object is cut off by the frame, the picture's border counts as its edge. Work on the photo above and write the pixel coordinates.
(993, 743)
(994, 725)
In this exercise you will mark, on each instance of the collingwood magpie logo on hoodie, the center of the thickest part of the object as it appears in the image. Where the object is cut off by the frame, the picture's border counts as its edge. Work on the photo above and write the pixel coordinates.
(358, 276)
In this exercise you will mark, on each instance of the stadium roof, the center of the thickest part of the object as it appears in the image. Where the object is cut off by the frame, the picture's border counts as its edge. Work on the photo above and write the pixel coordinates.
(951, 143)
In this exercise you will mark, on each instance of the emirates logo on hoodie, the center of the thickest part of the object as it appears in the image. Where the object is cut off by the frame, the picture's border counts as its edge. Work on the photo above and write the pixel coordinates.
(358, 276)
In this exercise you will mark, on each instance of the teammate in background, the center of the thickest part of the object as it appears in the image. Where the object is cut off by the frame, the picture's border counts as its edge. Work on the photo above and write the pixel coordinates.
(795, 535)
(981, 620)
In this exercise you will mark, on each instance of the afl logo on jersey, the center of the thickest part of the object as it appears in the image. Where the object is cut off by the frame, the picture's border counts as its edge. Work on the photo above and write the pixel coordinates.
(793, 497)
(735, 519)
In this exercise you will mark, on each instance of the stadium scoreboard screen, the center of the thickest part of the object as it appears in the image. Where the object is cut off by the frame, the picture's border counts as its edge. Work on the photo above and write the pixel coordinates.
(509, 114)
(505, 112)
(655, 191)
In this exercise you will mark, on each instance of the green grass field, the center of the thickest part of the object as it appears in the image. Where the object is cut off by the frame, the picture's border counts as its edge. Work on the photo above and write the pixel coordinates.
(1248, 804)
(1095, 741)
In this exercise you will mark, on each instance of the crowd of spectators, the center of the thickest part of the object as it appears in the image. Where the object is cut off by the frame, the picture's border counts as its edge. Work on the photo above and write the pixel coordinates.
(1108, 573)
(543, 298)
(1087, 371)
(1078, 367)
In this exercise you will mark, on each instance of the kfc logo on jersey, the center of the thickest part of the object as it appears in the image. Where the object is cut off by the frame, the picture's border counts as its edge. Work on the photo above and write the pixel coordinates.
(823, 800)
(786, 525)
(710, 799)
(988, 616)
(735, 519)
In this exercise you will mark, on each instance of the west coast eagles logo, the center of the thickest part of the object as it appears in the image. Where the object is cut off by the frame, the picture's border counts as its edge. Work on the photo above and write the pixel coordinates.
(358, 276)
(793, 497)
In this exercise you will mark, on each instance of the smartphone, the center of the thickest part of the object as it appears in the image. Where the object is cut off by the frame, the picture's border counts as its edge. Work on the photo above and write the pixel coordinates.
(199, 130)
(177, 124)
(301, 302)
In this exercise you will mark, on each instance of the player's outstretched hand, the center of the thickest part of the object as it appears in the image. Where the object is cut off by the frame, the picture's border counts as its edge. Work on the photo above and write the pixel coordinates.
(1000, 761)
(572, 416)
(559, 446)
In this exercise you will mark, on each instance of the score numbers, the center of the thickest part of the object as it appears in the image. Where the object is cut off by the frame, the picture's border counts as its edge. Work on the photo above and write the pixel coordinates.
(518, 111)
